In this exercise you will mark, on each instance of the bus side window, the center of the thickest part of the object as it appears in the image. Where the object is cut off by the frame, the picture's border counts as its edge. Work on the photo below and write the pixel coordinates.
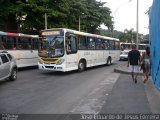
(9, 42)
(1, 47)
(35, 44)
(68, 45)
(30, 44)
(117, 45)
(14, 43)
(1, 44)
(99, 44)
(71, 44)
(91, 43)
(24, 43)
(81, 42)
(107, 45)
(112, 45)
(19, 46)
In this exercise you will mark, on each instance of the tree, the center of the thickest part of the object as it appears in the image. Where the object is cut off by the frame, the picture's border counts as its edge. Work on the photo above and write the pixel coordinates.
(128, 36)
(7, 16)
(28, 15)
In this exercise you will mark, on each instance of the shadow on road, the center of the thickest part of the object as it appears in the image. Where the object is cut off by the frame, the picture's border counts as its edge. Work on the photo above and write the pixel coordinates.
(27, 68)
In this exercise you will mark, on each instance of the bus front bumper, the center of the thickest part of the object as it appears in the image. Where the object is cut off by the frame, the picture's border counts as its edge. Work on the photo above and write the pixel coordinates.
(51, 67)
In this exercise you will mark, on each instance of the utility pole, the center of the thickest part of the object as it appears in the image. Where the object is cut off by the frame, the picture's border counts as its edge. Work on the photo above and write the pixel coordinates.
(45, 15)
(79, 23)
(137, 25)
(45, 19)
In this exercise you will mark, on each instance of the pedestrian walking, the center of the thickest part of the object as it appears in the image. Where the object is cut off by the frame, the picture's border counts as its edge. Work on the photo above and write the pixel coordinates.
(146, 62)
(134, 62)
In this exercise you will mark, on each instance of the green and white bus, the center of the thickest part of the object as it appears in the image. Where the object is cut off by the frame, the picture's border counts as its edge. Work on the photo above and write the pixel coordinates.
(64, 50)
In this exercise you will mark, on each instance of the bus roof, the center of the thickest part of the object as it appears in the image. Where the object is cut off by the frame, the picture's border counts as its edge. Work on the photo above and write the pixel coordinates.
(17, 34)
(26, 35)
(82, 33)
(132, 43)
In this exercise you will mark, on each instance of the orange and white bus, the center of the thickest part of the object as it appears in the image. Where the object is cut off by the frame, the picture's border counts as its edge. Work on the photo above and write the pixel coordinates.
(65, 50)
(22, 46)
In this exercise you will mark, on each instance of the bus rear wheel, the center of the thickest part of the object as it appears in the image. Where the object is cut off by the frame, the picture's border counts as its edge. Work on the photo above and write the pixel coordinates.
(109, 61)
(81, 66)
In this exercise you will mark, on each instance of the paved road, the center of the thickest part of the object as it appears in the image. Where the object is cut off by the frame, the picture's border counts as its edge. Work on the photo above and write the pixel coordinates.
(54, 92)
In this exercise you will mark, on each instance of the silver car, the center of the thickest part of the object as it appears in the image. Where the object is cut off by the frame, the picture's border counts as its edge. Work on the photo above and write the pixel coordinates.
(8, 66)
(124, 55)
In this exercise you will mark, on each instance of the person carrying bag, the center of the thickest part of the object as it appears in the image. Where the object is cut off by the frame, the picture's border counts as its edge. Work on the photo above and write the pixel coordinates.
(146, 64)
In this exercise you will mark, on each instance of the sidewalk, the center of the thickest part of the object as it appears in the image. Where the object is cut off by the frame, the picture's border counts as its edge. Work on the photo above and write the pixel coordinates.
(127, 97)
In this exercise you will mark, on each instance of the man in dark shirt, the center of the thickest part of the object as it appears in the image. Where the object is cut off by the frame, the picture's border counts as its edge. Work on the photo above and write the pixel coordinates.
(134, 62)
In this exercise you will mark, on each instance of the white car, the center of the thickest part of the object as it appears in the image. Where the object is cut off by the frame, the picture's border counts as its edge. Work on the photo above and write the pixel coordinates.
(124, 55)
(8, 66)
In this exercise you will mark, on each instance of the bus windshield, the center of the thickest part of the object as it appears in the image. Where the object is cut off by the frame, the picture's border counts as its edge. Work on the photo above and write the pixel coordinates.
(51, 46)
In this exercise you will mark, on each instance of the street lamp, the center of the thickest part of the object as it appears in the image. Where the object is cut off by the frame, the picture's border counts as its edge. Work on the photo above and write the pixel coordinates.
(79, 23)
(116, 12)
(121, 6)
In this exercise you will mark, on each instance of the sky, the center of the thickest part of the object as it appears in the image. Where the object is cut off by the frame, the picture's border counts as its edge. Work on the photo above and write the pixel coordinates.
(125, 12)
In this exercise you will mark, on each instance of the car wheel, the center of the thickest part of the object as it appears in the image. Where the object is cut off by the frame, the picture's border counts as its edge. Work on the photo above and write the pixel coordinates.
(13, 75)
(81, 66)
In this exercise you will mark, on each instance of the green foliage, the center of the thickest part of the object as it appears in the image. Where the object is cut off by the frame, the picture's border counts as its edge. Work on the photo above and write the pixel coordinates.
(128, 36)
(28, 15)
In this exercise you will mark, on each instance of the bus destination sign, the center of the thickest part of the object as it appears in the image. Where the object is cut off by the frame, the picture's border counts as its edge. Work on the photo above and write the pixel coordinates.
(51, 33)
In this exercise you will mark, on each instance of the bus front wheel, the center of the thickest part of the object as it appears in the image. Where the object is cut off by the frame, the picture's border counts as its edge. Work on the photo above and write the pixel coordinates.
(13, 75)
(81, 66)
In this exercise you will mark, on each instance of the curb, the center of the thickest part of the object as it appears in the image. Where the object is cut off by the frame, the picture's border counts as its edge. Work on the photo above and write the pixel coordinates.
(124, 72)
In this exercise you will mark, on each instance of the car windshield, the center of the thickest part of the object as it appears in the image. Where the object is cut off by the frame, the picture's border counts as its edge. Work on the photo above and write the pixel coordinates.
(51, 46)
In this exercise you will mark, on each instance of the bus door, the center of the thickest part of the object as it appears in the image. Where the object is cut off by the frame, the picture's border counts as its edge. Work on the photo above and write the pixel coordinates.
(91, 53)
(71, 50)
(114, 50)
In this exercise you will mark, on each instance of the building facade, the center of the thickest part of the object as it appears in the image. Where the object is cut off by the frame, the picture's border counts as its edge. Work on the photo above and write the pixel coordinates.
(155, 41)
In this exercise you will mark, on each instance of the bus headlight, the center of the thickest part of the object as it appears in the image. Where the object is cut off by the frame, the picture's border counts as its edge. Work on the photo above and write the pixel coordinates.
(60, 62)
(40, 62)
